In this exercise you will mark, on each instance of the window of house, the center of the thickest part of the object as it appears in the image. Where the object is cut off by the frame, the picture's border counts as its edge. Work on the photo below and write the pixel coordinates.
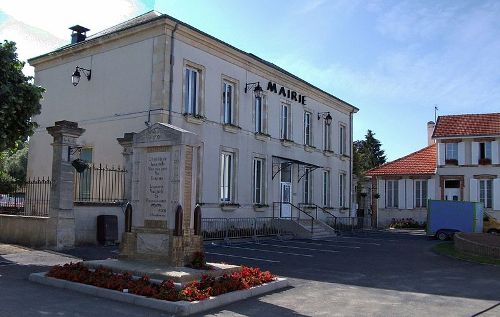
(326, 188)
(258, 181)
(486, 192)
(327, 136)
(342, 186)
(420, 193)
(485, 150)
(392, 195)
(307, 179)
(451, 151)
(191, 91)
(342, 140)
(259, 114)
(285, 122)
(307, 128)
(228, 102)
(226, 176)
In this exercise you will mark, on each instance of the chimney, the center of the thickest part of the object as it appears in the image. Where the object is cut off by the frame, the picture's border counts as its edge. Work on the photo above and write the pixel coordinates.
(430, 130)
(78, 34)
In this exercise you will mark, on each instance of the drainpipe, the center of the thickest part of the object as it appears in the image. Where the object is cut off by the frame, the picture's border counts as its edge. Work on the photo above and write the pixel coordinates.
(350, 163)
(171, 80)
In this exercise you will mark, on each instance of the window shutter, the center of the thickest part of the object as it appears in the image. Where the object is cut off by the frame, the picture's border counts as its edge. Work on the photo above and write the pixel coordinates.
(431, 188)
(401, 194)
(494, 154)
(441, 153)
(496, 194)
(461, 153)
(475, 153)
(381, 192)
(410, 193)
(473, 194)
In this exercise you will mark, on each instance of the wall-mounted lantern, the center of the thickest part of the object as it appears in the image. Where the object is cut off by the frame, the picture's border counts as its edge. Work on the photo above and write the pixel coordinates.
(75, 78)
(327, 116)
(257, 89)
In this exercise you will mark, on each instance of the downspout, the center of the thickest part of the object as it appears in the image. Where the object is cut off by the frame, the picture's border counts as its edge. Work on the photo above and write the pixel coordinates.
(350, 163)
(171, 80)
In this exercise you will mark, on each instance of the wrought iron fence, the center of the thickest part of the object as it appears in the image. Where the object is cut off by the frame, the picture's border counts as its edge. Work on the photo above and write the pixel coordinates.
(100, 184)
(348, 223)
(230, 228)
(30, 199)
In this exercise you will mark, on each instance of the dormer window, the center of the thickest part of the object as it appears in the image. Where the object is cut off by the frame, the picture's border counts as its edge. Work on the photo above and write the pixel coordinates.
(451, 154)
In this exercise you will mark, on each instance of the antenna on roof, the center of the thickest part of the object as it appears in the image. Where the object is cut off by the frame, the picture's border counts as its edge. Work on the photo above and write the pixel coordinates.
(435, 112)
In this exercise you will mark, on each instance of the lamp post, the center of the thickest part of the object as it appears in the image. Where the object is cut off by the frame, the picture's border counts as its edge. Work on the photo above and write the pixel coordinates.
(75, 78)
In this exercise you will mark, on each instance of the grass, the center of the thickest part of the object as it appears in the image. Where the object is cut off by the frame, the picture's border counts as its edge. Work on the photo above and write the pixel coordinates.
(448, 249)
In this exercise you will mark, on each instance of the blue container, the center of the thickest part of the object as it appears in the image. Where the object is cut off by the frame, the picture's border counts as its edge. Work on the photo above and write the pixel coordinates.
(462, 216)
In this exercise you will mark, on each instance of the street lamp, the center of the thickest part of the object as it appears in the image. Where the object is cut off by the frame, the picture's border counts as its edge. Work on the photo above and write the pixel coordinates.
(75, 78)
(257, 89)
(327, 116)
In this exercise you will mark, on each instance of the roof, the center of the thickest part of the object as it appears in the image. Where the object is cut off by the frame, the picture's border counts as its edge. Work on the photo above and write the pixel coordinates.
(151, 16)
(422, 162)
(487, 124)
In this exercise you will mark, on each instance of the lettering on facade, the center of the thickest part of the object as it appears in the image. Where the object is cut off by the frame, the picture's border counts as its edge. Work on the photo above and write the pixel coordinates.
(287, 93)
(157, 180)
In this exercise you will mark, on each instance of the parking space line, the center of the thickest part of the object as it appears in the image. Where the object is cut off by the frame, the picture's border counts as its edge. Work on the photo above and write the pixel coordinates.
(271, 251)
(376, 239)
(291, 247)
(323, 244)
(356, 242)
(242, 257)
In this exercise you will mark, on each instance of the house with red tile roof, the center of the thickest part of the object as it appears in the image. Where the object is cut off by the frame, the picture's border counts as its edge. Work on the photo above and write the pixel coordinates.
(461, 162)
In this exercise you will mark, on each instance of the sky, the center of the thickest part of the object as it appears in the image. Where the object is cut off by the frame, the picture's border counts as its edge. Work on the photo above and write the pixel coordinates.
(394, 60)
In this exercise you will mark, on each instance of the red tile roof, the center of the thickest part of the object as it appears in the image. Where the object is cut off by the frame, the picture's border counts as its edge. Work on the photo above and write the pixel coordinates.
(422, 162)
(487, 124)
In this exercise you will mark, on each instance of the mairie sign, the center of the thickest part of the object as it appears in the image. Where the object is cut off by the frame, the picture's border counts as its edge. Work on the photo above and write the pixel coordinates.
(287, 93)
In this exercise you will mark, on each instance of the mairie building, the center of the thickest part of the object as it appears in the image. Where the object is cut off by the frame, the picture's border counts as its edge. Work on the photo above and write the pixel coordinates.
(266, 135)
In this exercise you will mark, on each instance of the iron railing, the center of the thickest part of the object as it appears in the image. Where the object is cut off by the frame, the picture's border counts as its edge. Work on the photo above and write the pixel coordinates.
(100, 184)
(348, 223)
(30, 199)
(286, 210)
(233, 228)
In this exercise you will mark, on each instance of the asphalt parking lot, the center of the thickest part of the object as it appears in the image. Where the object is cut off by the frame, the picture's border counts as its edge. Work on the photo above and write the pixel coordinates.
(358, 274)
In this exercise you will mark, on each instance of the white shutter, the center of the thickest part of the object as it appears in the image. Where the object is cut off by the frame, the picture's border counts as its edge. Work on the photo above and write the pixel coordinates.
(475, 153)
(401, 194)
(381, 192)
(494, 155)
(473, 190)
(441, 153)
(410, 193)
(496, 194)
(461, 153)
(431, 188)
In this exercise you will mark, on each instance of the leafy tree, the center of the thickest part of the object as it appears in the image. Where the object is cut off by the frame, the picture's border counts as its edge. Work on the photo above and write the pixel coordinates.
(13, 164)
(19, 99)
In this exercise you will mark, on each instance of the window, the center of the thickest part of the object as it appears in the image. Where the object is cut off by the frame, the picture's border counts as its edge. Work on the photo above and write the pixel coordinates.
(258, 181)
(342, 140)
(307, 185)
(486, 192)
(307, 128)
(421, 194)
(228, 102)
(326, 188)
(285, 122)
(259, 114)
(451, 151)
(342, 185)
(392, 194)
(327, 136)
(226, 177)
(191, 91)
(485, 151)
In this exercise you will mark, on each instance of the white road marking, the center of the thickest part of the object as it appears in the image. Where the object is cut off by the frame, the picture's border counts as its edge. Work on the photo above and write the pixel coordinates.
(243, 257)
(377, 239)
(272, 251)
(290, 247)
(322, 244)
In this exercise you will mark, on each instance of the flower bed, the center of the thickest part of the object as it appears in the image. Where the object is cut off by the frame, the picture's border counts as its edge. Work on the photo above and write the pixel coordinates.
(408, 223)
(207, 286)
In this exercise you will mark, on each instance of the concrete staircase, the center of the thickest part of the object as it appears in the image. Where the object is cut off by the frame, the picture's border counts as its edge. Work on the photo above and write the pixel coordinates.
(320, 229)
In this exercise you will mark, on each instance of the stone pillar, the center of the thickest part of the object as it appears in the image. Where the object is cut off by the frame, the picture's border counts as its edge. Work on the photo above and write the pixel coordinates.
(61, 230)
(126, 142)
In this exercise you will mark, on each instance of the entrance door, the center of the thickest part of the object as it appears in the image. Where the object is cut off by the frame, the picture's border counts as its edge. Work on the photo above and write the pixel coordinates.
(286, 190)
(452, 190)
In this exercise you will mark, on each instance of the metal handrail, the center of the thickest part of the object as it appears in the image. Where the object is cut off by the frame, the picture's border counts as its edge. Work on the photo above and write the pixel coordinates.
(281, 203)
(230, 228)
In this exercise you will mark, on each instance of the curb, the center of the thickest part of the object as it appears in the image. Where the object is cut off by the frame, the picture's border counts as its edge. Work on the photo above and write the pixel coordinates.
(182, 308)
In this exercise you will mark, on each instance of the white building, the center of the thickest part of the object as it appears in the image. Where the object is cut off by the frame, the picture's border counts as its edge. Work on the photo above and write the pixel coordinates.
(461, 163)
(256, 148)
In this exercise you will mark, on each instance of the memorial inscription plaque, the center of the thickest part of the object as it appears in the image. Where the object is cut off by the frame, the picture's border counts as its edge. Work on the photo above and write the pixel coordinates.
(157, 180)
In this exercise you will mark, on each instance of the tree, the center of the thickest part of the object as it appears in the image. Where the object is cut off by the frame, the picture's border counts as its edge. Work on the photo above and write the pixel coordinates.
(367, 154)
(13, 164)
(19, 99)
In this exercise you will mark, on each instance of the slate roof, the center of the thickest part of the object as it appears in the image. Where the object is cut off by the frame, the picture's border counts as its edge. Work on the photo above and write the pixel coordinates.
(487, 124)
(422, 162)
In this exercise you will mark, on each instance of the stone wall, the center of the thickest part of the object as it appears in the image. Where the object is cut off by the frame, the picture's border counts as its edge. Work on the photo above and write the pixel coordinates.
(475, 243)
(23, 230)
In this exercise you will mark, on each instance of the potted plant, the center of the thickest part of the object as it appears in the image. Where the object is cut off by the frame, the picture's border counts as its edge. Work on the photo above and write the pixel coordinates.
(484, 161)
(451, 162)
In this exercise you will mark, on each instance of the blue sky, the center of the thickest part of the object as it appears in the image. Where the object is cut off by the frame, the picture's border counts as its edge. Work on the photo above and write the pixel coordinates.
(394, 60)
